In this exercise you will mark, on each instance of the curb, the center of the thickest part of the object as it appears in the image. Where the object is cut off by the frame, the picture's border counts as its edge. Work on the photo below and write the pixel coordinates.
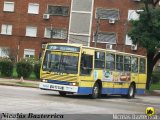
(5, 84)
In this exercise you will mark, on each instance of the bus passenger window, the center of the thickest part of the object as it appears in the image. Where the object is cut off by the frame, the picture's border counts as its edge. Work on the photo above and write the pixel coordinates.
(127, 63)
(86, 64)
(119, 62)
(110, 61)
(134, 62)
(142, 67)
(99, 59)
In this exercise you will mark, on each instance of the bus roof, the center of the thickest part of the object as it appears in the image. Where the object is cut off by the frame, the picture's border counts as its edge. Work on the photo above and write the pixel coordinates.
(101, 49)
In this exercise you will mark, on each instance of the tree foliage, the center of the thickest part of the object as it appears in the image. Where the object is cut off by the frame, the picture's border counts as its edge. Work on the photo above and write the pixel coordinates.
(146, 33)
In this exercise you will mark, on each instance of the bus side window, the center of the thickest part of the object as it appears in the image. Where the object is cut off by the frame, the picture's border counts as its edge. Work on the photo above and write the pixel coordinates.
(119, 62)
(86, 64)
(142, 67)
(127, 63)
(134, 63)
(99, 59)
(110, 61)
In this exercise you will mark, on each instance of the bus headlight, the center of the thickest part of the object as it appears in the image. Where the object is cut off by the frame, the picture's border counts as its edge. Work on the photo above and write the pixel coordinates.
(44, 80)
(74, 84)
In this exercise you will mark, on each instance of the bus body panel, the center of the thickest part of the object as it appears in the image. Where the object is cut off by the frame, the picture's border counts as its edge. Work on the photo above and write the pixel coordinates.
(113, 81)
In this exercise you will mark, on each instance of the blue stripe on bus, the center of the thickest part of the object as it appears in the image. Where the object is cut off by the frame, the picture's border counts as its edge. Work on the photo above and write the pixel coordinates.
(88, 90)
(58, 82)
(114, 90)
(140, 91)
(85, 90)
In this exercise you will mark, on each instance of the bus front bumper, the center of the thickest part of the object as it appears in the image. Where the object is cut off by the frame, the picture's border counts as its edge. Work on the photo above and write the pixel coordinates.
(58, 87)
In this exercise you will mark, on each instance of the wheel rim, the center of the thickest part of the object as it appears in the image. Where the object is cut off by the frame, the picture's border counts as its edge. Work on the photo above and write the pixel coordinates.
(95, 91)
(131, 91)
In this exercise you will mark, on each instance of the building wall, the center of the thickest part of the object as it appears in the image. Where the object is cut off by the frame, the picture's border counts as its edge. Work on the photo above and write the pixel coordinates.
(120, 27)
(20, 19)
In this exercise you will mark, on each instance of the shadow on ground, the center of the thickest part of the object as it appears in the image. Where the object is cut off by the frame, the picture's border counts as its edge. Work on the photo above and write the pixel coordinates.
(87, 96)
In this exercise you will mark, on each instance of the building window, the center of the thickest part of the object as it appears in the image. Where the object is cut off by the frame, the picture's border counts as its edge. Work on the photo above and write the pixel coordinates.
(58, 10)
(6, 29)
(29, 53)
(33, 8)
(82, 5)
(107, 13)
(8, 6)
(55, 33)
(31, 31)
(104, 37)
(128, 40)
(4, 52)
(133, 14)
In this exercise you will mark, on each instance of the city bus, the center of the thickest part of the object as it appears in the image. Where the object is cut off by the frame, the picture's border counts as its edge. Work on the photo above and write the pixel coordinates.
(76, 69)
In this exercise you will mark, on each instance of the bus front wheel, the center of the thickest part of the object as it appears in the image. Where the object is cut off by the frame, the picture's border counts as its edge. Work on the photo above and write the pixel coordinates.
(95, 91)
(131, 91)
(62, 93)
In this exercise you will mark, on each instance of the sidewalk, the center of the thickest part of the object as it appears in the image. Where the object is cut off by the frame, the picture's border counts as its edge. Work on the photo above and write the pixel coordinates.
(157, 91)
(19, 82)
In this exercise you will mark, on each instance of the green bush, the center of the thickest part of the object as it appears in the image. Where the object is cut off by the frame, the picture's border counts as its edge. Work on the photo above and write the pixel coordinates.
(32, 61)
(6, 68)
(37, 69)
(24, 69)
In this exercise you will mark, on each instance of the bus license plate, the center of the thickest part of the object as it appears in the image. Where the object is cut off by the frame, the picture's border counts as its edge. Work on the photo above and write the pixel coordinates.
(56, 87)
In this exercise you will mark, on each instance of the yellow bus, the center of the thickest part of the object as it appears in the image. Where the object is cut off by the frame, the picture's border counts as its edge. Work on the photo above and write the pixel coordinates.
(73, 68)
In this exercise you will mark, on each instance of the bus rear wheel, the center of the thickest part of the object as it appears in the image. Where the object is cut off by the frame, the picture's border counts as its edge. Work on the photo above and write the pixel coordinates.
(95, 91)
(131, 91)
(62, 93)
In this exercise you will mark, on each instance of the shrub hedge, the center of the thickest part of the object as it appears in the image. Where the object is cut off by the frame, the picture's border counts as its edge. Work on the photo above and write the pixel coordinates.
(24, 69)
(37, 69)
(6, 68)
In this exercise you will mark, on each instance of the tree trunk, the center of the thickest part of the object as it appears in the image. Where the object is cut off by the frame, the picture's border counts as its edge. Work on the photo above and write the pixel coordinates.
(149, 69)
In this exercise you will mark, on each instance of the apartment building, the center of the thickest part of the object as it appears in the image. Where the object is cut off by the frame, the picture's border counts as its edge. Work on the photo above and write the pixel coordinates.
(26, 25)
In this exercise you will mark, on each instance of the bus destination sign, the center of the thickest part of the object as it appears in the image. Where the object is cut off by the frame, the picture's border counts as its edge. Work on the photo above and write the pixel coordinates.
(63, 48)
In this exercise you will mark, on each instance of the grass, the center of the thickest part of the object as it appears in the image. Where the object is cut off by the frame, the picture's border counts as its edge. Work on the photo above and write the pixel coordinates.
(25, 84)
(155, 86)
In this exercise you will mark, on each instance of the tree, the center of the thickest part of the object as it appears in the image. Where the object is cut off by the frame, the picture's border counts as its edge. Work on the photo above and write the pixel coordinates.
(146, 33)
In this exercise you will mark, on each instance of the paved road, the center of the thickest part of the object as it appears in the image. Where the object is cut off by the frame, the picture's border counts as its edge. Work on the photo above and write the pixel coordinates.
(27, 100)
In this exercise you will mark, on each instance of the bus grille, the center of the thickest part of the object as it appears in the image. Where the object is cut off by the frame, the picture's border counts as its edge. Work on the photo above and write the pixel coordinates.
(59, 77)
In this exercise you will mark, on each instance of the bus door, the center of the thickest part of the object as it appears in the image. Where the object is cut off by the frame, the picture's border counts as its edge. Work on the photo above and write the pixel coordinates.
(86, 68)
(142, 76)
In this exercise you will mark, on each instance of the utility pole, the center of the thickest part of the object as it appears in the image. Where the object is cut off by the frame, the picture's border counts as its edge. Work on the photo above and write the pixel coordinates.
(51, 31)
(97, 30)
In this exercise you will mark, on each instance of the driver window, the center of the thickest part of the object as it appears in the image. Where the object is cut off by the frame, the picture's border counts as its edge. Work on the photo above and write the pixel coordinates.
(86, 64)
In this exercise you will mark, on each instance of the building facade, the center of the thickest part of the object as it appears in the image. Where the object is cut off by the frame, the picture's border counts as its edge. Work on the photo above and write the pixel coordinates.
(26, 25)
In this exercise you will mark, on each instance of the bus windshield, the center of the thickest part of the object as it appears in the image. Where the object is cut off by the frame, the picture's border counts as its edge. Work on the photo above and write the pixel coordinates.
(62, 62)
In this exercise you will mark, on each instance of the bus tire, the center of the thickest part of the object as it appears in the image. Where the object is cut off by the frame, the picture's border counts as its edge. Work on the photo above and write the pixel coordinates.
(62, 93)
(131, 91)
(95, 91)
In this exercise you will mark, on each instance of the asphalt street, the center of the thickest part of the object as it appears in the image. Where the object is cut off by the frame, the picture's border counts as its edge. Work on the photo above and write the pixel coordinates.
(33, 100)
